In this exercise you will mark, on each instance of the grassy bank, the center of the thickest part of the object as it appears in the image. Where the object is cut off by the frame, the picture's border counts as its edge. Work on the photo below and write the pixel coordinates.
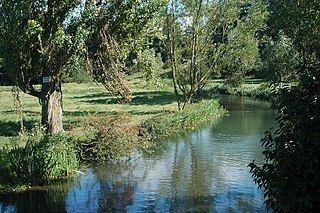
(80, 100)
(97, 128)
(255, 89)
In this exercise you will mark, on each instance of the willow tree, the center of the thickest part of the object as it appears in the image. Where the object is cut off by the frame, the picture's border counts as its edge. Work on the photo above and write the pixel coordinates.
(40, 39)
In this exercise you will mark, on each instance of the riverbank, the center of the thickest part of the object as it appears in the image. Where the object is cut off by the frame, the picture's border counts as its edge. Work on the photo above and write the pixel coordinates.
(97, 129)
(254, 89)
(209, 164)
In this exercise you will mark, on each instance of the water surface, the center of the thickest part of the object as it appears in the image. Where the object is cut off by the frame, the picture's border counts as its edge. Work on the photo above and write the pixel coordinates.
(201, 171)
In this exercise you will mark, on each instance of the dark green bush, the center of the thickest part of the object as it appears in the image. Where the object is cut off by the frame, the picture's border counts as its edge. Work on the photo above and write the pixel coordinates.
(290, 175)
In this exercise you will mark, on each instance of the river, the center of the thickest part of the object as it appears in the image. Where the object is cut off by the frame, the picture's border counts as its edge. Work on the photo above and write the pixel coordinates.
(201, 171)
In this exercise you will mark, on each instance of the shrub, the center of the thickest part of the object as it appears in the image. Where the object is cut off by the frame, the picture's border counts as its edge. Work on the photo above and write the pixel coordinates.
(108, 138)
(290, 174)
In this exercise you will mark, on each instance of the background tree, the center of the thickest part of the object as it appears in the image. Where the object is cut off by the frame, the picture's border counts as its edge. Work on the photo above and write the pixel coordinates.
(120, 26)
(216, 38)
(290, 176)
(280, 60)
(240, 34)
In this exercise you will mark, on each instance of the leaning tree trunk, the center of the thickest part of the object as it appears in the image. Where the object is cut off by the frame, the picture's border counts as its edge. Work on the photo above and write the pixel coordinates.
(51, 99)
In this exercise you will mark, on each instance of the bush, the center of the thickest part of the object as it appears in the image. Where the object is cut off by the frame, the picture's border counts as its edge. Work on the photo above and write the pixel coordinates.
(108, 138)
(43, 158)
(290, 175)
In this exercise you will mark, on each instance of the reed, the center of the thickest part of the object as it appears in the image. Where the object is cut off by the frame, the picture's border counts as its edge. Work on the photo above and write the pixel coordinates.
(42, 159)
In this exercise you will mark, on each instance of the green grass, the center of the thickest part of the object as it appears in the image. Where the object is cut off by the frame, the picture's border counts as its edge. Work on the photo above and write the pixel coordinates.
(80, 100)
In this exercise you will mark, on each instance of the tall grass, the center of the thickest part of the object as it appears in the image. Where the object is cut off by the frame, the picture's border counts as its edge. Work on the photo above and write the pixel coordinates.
(43, 158)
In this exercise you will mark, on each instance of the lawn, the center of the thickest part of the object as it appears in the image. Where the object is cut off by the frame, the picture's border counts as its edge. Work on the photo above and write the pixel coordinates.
(79, 100)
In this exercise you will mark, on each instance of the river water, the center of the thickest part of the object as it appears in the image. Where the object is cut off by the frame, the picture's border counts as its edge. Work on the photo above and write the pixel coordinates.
(201, 171)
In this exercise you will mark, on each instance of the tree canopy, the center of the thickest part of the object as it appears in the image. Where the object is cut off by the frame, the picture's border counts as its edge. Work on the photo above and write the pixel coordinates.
(40, 39)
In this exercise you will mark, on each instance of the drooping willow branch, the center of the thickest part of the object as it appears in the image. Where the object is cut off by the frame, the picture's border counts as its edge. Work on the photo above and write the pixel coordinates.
(105, 64)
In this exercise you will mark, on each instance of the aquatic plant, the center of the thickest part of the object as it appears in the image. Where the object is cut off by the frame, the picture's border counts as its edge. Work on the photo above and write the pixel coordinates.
(41, 159)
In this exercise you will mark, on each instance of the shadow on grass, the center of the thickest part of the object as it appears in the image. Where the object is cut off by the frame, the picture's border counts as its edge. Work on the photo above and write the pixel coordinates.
(153, 98)
(157, 112)
(96, 95)
(11, 128)
(139, 98)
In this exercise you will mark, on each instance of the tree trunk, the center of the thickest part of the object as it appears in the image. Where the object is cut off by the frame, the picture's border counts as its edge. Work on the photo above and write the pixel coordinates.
(172, 54)
(51, 99)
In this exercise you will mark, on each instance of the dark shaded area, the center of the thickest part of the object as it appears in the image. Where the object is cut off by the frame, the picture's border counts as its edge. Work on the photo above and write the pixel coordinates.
(152, 98)
(133, 112)
(96, 95)
(4, 79)
(167, 75)
(101, 101)
(10, 128)
(139, 98)
(47, 199)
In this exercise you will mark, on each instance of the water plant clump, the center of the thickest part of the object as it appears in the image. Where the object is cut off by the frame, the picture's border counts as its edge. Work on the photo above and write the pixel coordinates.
(43, 158)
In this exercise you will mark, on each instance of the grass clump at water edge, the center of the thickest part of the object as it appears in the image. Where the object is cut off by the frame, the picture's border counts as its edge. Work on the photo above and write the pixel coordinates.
(42, 159)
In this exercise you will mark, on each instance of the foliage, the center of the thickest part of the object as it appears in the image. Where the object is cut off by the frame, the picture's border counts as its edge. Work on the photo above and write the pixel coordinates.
(299, 21)
(209, 38)
(41, 159)
(280, 60)
(290, 175)
(114, 27)
(148, 63)
(108, 138)
(173, 123)
(239, 37)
